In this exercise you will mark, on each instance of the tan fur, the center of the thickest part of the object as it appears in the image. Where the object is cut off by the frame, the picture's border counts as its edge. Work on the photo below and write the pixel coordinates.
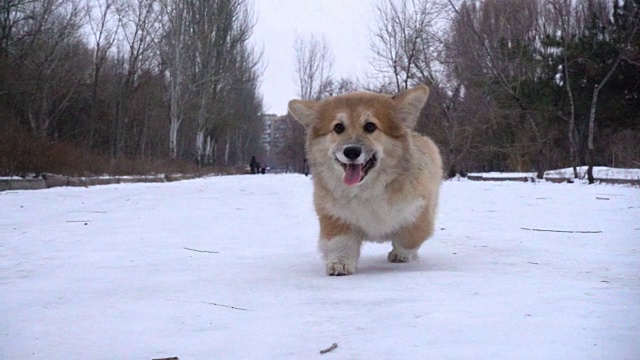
(397, 200)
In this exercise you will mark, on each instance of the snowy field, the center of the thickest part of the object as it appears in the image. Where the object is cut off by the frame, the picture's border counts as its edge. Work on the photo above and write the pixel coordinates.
(227, 268)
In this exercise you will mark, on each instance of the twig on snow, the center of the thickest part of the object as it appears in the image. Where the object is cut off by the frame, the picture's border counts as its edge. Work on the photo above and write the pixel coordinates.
(210, 303)
(330, 348)
(227, 306)
(169, 358)
(564, 231)
(203, 251)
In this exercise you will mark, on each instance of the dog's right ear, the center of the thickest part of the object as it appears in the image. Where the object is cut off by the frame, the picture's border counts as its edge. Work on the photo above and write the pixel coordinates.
(304, 111)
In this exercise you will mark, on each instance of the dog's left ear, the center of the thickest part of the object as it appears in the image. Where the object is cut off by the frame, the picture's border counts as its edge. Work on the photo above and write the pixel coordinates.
(304, 111)
(409, 103)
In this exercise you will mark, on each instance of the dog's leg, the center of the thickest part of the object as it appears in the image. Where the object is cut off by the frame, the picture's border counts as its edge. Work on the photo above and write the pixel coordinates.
(340, 246)
(341, 253)
(399, 254)
(407, 242)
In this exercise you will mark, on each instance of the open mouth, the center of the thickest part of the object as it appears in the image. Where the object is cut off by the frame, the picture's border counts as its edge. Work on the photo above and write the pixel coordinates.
(355, 173)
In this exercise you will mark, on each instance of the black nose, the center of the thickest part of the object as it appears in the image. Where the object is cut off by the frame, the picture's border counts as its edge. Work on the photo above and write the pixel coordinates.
(352, 152)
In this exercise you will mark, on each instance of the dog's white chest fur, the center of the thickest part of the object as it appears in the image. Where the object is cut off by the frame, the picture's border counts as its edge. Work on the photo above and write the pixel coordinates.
(377, 217)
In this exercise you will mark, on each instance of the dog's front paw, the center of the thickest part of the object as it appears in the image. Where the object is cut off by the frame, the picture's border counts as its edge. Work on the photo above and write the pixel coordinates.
(340, 268)
(400, 256)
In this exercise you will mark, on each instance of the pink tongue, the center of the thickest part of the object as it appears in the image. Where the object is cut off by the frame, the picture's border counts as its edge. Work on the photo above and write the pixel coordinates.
(352, 174)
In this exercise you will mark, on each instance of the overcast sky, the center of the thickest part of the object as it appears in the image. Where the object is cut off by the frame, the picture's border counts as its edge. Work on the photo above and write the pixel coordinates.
(344, 23)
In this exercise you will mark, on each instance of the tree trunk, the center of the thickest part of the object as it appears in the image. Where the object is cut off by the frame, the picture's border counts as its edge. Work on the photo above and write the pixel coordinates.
(453, 169)
(118, 127)
(208, 151)
(173, 136)
(94, 105)
(541, 166)
(226, 149)
(594, 104)
(143, 137)
(214, 145)
(201, 124)
(592, 121)
(572, 121)
(200, 147)
(175, 75)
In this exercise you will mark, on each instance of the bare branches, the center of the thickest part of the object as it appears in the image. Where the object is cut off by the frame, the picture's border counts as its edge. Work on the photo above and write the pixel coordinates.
(626, 37)
(211, 68)
(104, 35)
(49, 57)
(405, 41)
(313, 66)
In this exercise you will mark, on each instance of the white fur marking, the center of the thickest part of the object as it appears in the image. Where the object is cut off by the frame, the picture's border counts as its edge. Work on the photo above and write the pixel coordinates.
(401, 255)
(342, 117)
(375, 215)
(341, 254)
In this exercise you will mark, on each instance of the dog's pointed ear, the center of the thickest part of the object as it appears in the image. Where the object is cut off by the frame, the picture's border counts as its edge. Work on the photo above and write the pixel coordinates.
(409, 103)
(304, 111)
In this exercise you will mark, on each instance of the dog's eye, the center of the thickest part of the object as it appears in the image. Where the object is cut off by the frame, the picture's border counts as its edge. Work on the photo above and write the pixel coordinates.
(370, 127)
(338, 128)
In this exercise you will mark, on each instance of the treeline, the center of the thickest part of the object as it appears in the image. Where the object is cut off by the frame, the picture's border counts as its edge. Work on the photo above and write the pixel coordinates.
(521, 85)
(127, 81)
(516, 85)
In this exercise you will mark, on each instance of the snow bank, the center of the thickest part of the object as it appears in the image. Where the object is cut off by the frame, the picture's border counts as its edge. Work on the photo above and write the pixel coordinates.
(599, 172)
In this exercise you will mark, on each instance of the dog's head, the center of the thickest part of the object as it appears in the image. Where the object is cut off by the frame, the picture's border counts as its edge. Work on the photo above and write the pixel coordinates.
(360, 134)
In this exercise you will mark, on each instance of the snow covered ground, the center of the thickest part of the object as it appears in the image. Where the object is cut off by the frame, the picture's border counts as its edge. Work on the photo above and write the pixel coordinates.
(112, 272)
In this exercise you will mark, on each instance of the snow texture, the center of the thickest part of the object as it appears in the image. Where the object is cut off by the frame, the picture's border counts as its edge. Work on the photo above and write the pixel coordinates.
(121, 272)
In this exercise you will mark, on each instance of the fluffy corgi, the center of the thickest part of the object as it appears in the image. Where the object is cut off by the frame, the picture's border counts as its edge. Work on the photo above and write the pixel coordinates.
(374, 177)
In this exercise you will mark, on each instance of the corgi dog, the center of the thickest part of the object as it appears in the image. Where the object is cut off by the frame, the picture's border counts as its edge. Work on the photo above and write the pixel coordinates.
(374, 177)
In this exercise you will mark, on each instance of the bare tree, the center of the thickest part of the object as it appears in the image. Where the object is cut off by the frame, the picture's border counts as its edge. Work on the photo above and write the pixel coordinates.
(404, 39)
(218, 30)
(138, 20)
(411, 45)
(626, 37)
(49, 58)
(11, 13)
(247, 127)
(313, 66)
(502, 57)
(562, 14)
(313, 69)
(104, 34)
(289, 152)
(173, 46)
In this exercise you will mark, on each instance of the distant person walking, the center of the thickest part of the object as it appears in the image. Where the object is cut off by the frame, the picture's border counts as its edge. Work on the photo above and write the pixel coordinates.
(253, 165)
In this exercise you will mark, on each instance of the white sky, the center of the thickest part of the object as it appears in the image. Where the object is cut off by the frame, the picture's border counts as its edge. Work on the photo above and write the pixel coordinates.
(344, 23)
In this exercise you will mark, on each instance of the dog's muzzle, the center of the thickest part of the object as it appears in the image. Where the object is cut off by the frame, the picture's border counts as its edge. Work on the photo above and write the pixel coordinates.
(356, 166)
